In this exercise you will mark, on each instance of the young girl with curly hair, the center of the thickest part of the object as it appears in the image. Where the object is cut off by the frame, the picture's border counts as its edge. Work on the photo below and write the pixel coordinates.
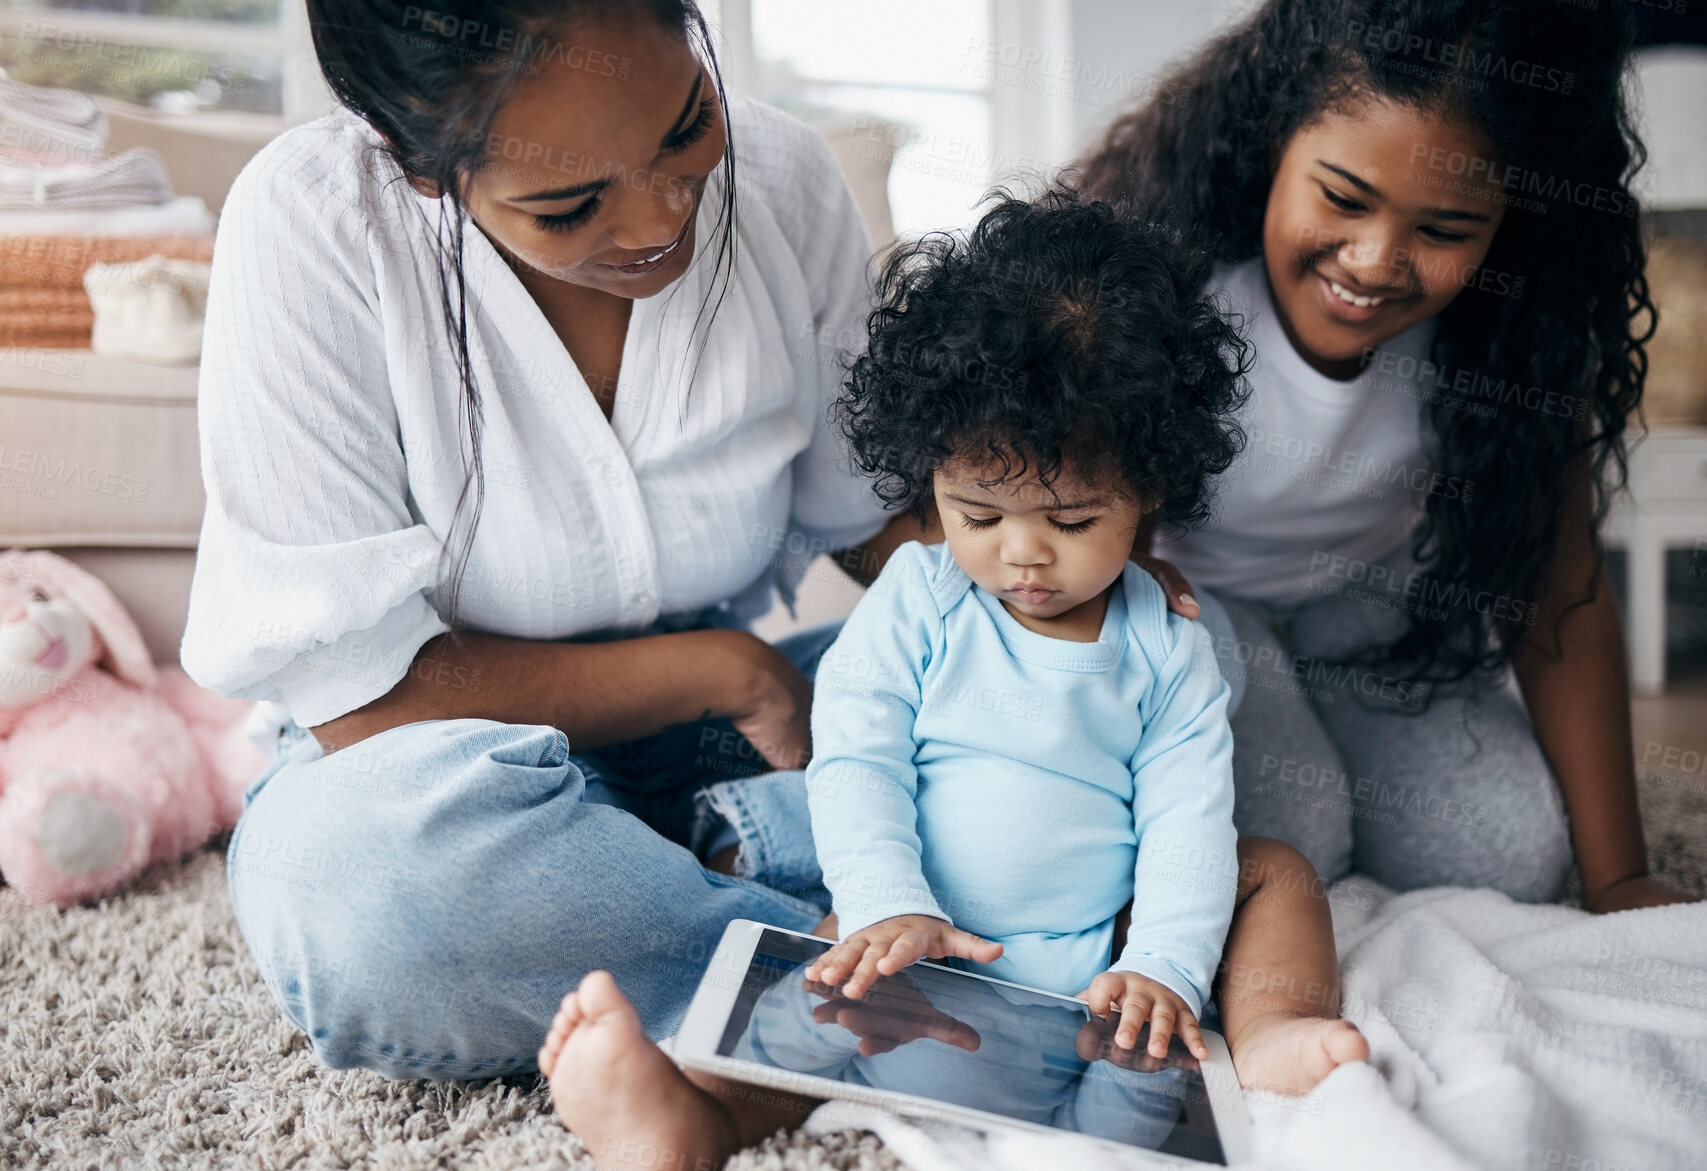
(1422, 214)
(1047, 382)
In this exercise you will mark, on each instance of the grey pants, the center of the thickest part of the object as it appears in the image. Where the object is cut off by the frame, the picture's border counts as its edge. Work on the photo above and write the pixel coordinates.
(1348, 766)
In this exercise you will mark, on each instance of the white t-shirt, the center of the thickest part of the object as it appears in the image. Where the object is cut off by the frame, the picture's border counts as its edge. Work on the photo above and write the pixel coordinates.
(1333, 472)
(329, 416)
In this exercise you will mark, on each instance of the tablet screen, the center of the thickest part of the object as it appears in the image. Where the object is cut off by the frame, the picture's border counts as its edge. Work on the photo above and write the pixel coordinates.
(936, 1033)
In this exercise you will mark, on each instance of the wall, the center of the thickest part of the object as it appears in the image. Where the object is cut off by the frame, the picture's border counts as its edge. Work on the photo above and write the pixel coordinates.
(1670, 94)
(1121, 46)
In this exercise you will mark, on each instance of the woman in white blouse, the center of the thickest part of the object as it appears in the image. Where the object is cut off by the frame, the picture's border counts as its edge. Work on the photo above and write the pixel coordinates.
(648, 391)
(498, 349)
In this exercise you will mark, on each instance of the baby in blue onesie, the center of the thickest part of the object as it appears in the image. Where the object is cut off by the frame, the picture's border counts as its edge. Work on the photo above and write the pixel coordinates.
(1017, 747)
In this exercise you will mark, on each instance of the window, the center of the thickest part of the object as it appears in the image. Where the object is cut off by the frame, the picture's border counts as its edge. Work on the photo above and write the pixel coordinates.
(180, 55)
(903, 71)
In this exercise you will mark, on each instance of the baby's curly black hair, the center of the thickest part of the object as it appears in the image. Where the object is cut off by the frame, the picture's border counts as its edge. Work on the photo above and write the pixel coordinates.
(1053, 333)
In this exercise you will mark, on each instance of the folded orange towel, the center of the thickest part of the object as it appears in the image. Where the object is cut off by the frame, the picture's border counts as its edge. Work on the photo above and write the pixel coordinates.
(42, 302)
(58, 262)
(46, 318)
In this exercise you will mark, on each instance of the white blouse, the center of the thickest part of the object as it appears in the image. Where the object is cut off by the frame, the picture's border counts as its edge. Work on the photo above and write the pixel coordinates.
(332, 442)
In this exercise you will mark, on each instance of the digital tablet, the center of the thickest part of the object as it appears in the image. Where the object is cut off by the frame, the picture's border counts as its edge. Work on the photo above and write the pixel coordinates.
(937, 1043)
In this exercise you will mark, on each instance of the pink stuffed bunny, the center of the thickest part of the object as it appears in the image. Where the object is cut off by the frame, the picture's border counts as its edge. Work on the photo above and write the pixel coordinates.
(101, 773)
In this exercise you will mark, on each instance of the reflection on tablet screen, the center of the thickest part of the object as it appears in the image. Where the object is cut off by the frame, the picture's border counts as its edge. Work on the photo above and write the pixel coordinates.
(936, 1033)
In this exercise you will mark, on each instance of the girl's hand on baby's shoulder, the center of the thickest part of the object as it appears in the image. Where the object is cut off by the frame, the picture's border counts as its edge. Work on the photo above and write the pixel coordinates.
(891, 944)
(1173, 584)
(1138, 999)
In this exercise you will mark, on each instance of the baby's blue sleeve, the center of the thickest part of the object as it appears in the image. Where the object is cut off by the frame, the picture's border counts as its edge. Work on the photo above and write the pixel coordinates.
(861, 784)
(1182, 808)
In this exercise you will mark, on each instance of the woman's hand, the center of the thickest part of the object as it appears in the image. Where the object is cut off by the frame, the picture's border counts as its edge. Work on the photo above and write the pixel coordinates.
(771, 701)
(1141, 999)
(886, 947)
(1637, 891)
(1173, 584)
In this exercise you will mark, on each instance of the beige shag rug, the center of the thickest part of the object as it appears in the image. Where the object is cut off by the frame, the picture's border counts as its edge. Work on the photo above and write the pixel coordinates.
(137, 1034)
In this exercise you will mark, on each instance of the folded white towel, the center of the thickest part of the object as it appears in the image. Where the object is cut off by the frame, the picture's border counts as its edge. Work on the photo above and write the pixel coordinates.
(149, 310)
(185, 215)
(56, 125)
(136, 177)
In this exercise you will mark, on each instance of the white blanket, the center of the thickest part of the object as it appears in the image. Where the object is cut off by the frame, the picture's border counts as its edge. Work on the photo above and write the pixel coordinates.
(1502, 1036)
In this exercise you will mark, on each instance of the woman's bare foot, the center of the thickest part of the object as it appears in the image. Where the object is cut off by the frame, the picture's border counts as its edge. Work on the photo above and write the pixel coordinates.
(1288, 1053)
(622, 1095)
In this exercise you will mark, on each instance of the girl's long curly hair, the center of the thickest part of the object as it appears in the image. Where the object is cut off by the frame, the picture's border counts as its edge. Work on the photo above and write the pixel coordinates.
(1544, 83)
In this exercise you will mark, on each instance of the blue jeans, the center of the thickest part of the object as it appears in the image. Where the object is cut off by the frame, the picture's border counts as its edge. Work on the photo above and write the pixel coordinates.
(418, 903)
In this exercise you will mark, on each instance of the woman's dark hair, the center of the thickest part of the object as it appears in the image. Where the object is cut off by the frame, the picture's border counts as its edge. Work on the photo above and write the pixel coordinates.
(1543, 82)
(1053, 333)
(431, 82)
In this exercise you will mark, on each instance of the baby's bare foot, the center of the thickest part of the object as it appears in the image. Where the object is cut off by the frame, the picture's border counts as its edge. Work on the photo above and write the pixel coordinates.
(622, 1095)
(1284, 1053)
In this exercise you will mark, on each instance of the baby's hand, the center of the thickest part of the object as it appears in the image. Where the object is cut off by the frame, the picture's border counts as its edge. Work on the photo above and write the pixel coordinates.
(887, 946)
(1140, 998)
